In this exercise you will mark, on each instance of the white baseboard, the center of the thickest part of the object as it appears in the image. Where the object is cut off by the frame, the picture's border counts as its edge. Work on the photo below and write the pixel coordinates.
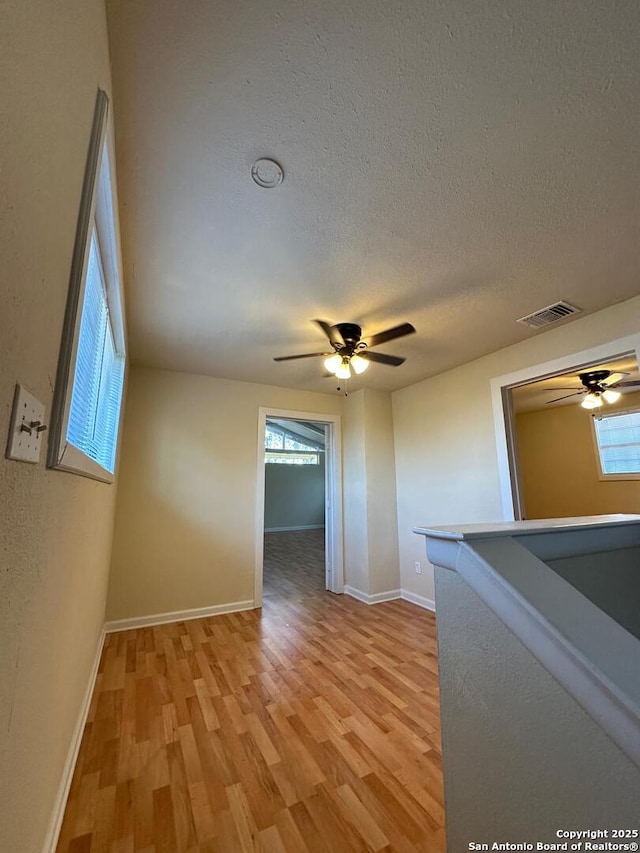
(390, 595)
(300, 527)
(420, 600)
(177, 616)
(376, 598)
(55, 824)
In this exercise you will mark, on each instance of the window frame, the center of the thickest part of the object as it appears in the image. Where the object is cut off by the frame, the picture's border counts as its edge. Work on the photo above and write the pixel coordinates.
(596, 444)
(99, 213)
(308, 444)
(289, 457)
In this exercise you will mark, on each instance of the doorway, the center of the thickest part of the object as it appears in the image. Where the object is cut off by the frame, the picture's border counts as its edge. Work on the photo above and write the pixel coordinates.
(294, 560)
(298, 505)
(577, 451)
(509, 395)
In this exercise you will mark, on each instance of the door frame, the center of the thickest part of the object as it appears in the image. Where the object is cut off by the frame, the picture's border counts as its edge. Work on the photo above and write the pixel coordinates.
(333, 531)
(504, 417)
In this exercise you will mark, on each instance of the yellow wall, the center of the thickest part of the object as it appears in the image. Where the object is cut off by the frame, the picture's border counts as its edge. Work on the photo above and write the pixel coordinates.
(186, 516)
(55, 528)
(559, 467)
(446, 458)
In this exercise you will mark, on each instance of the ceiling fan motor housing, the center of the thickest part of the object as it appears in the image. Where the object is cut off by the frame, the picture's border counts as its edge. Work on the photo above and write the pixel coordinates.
(350, 334)
(593, 379)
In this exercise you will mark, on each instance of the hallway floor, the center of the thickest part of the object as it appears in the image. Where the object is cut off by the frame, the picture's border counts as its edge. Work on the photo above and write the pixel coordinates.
(310, 725)
(294, 563)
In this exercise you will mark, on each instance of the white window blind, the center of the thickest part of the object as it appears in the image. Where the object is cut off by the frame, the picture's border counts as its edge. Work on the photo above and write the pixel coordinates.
(618, 438)
(97, 387)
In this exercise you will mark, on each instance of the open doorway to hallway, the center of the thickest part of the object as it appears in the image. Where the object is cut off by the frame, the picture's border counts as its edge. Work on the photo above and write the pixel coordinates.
(294, 561)
(576, 441)
(322, 434)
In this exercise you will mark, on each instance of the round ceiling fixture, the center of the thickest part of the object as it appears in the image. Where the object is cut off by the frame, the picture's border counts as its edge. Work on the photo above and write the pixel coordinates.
(267, 173)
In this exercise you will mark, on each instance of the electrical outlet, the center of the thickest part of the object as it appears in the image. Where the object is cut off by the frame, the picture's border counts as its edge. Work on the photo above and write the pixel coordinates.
(418, 567)
(27, 426)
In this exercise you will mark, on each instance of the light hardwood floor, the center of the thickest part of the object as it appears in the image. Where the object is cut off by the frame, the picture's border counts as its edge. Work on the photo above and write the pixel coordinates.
(310, 725)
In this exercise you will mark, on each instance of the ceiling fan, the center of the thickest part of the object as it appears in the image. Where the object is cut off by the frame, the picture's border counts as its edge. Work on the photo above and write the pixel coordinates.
(350, 351)
(597, 385)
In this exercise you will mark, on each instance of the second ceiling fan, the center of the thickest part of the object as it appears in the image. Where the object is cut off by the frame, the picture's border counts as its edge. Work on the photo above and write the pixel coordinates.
(351, 351)
(597, 385)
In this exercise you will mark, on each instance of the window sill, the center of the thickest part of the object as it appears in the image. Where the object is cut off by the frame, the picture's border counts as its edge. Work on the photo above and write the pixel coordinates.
(74, 461)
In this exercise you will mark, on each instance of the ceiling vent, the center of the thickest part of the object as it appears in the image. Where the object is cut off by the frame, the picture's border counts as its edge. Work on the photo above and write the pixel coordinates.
(550, 314)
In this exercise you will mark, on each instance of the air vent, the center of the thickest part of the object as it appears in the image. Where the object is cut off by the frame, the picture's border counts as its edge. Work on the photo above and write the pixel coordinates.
(548, 315)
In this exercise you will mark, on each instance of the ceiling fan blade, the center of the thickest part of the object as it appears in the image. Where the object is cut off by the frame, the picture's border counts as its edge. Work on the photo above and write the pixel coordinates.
(390, 334)
(629, 383)
(566, 396)
(613, 379)
(381, 358)
(564, 388)
(304, 355)
(333, 334)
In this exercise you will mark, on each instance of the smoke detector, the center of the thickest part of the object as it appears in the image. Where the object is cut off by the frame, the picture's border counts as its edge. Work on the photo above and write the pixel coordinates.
(267, 173)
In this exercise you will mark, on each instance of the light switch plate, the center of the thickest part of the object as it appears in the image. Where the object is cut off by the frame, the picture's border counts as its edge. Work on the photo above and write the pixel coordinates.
(25, 445)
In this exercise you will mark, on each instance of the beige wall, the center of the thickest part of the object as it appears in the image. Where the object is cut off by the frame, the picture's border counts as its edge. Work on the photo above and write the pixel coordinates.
(381, 492)
(186, 515)
(55, 528)
(558, 464)
(446, 460)
(371, 543)
(356, 529)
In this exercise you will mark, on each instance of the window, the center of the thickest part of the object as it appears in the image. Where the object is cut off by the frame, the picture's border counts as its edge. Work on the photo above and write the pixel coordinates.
(284, 447)
(618, 442)
(91, 368)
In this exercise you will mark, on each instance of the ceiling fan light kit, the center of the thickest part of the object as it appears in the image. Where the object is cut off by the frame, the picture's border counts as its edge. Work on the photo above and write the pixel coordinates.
(610, 396)
(359, 364)
(333, 363)
(592, 401)
(343, 371)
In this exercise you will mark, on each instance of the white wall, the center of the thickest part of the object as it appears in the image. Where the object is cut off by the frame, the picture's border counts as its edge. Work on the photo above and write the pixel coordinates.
(55, 528)
(293, 496)
(446, 459)
(186, 515)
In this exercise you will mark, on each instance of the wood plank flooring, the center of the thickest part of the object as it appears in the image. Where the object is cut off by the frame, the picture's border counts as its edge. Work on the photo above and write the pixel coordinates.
(294, 564)
(310, 725)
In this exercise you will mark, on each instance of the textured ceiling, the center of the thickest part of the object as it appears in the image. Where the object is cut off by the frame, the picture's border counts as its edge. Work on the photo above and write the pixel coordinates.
(449, 163)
